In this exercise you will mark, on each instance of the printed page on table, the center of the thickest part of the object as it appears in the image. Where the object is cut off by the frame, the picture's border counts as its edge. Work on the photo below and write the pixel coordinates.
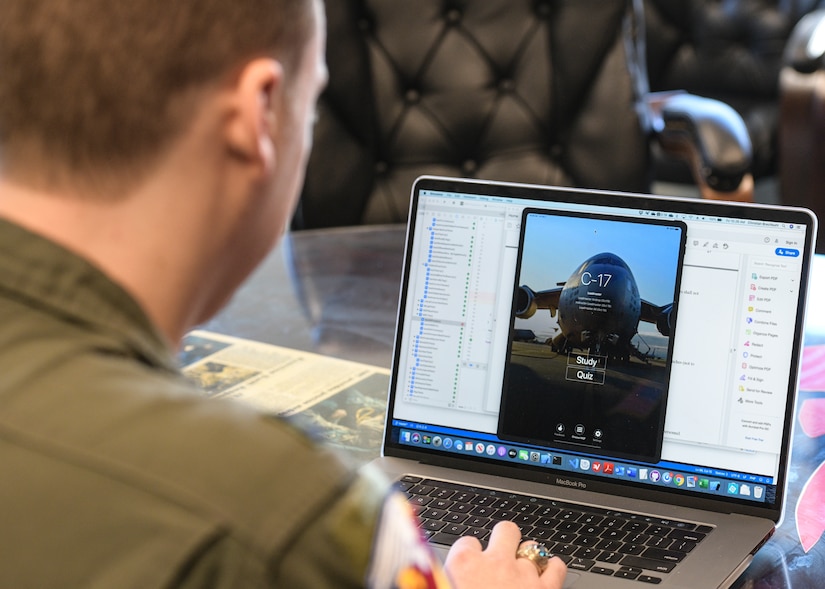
(340, 402)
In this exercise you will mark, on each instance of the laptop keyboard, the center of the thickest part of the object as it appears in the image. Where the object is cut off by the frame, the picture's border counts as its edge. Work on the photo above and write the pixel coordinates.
(602, 541)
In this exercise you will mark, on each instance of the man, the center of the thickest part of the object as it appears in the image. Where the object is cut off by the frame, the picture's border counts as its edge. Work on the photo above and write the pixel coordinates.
(152, 152)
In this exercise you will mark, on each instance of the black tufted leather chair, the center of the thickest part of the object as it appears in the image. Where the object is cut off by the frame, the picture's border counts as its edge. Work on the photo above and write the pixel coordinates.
(547, 91)
(730, 50)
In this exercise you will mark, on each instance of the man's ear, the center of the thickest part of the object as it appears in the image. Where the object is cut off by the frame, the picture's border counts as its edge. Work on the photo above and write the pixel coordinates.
(251, 122)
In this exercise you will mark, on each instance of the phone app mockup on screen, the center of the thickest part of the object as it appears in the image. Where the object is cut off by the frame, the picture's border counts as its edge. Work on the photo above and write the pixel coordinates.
(594, 312)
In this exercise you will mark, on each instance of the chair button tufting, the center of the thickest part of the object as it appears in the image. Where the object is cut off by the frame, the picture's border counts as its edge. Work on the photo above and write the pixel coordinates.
(412, 96)
(453, 16)
(506, 85)
(543, 9)
(469, 166)
(381, 167)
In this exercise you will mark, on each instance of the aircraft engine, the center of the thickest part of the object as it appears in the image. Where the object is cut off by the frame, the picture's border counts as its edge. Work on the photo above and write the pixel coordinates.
(665, 321)
(525, 303)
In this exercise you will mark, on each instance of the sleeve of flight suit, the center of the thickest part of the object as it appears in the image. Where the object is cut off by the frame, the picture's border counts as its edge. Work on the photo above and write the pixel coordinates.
(366, 539)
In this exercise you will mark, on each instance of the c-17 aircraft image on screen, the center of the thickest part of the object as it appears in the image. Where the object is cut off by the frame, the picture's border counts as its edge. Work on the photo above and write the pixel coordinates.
(592, 388)
(598, 309)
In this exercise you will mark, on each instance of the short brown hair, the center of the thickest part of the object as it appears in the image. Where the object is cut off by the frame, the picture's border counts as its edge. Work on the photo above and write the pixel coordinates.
(94, 83)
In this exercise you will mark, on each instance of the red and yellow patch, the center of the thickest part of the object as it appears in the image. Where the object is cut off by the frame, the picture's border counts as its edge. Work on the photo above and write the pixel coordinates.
(401, 558)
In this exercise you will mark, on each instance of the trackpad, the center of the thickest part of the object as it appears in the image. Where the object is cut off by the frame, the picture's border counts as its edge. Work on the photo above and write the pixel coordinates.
(570, 580)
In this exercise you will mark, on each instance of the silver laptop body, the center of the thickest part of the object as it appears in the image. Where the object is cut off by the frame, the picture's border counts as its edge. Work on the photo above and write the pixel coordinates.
(631, 354)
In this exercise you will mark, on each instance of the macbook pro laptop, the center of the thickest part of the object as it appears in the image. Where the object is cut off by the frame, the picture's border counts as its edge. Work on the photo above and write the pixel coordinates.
(615, 373)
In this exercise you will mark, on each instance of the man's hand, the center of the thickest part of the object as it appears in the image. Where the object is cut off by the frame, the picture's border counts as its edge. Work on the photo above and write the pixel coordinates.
(471, 568)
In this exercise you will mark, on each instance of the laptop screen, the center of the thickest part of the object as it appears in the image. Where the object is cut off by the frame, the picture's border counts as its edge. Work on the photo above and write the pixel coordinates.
(641, 341)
